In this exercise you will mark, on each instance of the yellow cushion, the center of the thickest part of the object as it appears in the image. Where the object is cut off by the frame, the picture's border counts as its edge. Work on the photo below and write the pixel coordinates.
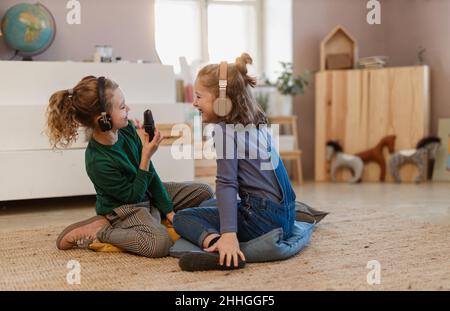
(104, 247)
(170, 230)
(173, 234)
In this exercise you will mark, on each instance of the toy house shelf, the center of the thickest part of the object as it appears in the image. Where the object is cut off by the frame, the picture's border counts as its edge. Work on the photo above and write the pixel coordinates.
(338, 50)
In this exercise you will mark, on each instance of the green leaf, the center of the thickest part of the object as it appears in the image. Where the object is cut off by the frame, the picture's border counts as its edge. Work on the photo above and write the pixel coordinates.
(288, 84)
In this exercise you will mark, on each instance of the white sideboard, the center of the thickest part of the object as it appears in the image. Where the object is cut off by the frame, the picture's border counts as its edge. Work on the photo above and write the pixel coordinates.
(29, 168)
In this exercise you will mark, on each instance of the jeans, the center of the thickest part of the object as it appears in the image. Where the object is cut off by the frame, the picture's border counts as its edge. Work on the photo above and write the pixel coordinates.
(256, 217)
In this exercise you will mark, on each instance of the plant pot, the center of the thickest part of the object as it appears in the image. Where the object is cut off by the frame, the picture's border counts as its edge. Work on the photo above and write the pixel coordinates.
(284, 105)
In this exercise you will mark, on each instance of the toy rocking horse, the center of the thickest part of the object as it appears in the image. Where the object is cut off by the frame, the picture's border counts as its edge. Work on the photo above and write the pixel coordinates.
(425, 151)
(376, 154)
(342, 160)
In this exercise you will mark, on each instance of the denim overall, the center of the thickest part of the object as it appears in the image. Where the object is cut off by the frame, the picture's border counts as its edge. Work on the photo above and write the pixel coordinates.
(269, 215)
(256, 215)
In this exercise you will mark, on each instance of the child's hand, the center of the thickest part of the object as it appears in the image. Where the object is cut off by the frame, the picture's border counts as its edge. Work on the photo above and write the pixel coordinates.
(228, 248)
(149, 148)
(140, 130)
(138, 124)
(170, 217)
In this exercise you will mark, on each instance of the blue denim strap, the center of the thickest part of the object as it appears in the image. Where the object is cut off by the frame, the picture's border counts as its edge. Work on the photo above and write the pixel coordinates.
(282, 177)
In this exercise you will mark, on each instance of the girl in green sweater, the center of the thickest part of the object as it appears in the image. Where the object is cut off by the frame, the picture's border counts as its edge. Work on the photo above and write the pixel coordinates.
(130, 197)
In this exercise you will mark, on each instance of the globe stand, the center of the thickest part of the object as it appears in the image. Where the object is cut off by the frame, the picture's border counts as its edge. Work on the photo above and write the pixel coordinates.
(27, 59)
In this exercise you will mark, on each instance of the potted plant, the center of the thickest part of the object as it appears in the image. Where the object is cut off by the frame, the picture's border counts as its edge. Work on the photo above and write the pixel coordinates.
(288, 86)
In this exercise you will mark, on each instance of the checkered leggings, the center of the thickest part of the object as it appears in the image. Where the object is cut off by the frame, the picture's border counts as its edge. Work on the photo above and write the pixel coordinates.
(137, 228)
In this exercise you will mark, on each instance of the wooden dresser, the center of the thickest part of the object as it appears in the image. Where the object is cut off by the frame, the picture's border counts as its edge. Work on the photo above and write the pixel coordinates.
(359, 107)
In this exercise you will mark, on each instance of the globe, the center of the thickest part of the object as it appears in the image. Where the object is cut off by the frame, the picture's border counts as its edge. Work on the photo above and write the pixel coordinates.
(29, 29)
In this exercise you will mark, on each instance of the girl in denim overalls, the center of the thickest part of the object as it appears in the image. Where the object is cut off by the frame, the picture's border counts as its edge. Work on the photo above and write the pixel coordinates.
(223, 96)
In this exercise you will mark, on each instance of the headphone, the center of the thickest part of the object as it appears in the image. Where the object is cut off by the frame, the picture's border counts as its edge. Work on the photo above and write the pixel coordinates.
(223, 104)
(105, 120)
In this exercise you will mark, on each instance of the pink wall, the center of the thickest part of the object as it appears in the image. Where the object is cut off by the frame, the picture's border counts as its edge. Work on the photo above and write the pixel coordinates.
(414, 23)
(128, 26)
(405, 25)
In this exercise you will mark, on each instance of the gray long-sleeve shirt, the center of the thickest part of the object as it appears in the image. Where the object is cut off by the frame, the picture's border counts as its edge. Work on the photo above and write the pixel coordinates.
(243, 164)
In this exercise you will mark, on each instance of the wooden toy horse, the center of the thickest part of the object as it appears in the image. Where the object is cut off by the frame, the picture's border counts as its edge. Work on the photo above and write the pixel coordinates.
(376, 154)
(342, 160)
(424, 153)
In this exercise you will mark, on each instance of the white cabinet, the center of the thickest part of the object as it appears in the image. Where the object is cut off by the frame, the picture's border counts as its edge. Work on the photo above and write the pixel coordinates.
(29, 168)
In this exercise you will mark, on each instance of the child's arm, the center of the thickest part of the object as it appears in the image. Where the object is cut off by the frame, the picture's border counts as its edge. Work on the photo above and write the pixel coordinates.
(160, 197)
(227, 187)
(109, 180)
(226, 192)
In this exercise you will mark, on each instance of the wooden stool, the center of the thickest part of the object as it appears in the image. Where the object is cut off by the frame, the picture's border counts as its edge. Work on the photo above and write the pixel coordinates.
(294, 155)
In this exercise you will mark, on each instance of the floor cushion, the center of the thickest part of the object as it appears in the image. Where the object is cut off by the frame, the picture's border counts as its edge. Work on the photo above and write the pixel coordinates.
(268, 247)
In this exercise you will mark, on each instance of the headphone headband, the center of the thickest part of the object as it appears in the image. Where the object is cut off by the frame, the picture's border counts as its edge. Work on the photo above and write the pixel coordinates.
(223, 71)
(105, 120)
(101, 94)
(223, 82)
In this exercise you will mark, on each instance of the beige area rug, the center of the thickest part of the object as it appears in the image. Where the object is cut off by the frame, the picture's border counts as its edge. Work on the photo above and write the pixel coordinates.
(413, 254)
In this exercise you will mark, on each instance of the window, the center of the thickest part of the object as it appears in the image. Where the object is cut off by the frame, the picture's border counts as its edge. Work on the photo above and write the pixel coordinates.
(178, 31)
(278, 30)
(207, 30)
(232, 29)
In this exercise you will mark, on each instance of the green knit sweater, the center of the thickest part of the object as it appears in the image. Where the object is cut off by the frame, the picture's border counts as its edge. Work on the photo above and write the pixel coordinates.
(118, 180)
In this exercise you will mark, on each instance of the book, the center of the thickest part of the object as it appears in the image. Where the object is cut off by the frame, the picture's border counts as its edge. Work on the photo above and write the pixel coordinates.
(373, 61)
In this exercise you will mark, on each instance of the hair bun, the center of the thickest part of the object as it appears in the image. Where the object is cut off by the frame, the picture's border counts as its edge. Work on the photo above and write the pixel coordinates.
(242, 62)
(245, 59)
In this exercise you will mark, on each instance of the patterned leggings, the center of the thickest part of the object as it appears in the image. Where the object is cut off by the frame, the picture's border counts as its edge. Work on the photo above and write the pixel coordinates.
(137, 228)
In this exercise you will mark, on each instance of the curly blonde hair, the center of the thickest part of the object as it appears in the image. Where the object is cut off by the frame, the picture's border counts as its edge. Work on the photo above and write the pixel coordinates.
(246, 109)
(70, 109)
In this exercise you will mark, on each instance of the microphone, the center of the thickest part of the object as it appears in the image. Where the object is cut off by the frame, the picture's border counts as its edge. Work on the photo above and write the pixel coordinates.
(149, 124)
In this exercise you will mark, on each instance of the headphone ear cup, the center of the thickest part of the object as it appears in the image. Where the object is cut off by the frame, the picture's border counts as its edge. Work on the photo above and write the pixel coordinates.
(105, 123)
(222, 106)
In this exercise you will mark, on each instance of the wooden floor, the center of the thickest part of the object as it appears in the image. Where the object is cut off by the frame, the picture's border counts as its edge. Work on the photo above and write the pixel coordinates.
(429, 202)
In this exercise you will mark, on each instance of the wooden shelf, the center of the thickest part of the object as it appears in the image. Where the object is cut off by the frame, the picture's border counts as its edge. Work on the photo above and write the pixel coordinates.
(360, 107)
